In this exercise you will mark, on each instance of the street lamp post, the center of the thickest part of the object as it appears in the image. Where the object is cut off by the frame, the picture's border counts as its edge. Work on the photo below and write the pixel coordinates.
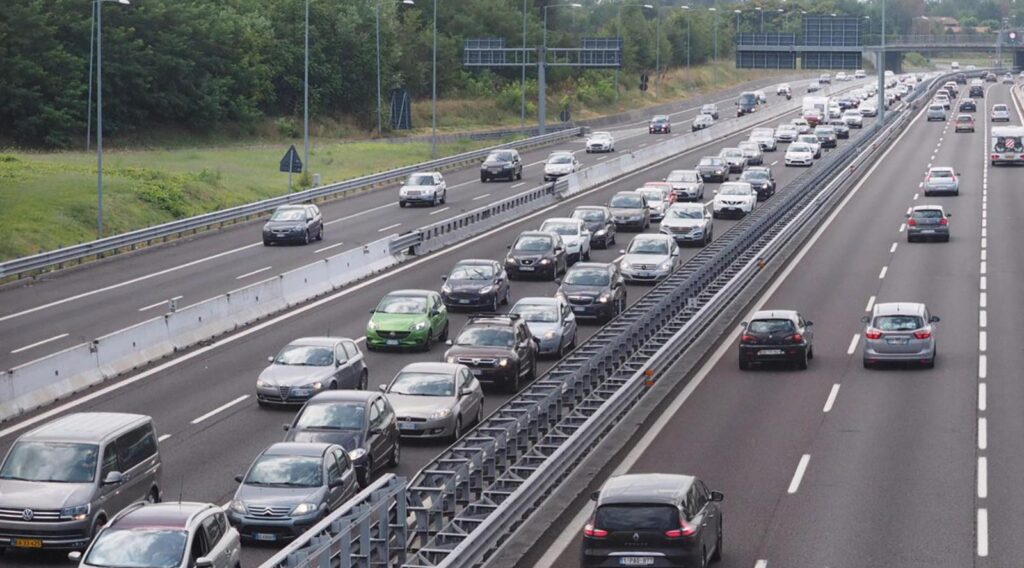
(92, 48)
(715, 62)
(761, 10)
(433, 93)
(305, 96)
(99, 112)
(522, 81)
(738, 12)
(380, 113)
(542, 103)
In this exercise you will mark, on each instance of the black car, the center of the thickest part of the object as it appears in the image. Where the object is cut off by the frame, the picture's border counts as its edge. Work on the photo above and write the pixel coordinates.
(842, 129)
(713, 168)
(504, 164)
(674, 520)
(827, 136)
(630, 210)
(475, 283)
(294, 224)
(776, 336)
(976, 91)
(594, 290)
(660, 124)
(599, 222)
(497, 348)
(968, 105)
(746, 104)
(961, 78)
(362, 422)
(536, 254)
(761, 179)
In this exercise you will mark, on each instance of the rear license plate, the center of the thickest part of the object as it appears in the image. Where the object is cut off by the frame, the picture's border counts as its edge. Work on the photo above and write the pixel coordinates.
(897, 340)
(264, 537)
(924, 231)
(463, 301)
(406, 426)
(636, 561)
(526, 268)
(770, 352)
(391, 342)
(28, 543)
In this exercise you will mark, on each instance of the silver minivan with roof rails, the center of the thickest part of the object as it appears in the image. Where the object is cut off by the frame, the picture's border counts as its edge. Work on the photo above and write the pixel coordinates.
(61, 482)
(900, 332)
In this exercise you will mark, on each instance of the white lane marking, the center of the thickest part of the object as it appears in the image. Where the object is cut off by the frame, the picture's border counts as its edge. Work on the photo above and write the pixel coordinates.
(388, 228)
(248, 274)
(853, 344)
(220, 409)
(982, 532)
(38, 343)
(892, 249)
(162, 438)
(903, 227)
(830, 402)
(158, 304)
(920, 184)
(983, 341)
(440, 210)
(328, 247)
(520, 184)
(601, 158)
(479, 197)
(984, 254)
(370, 210)
(983, 299)
(982, 477)
(982, 433)
(775, 162)
(881, 274)
(982, 397)
(871, 304)
(984, 267)
(761, 564)
(798, 475)
(983, 283)
(982, 318)
(982, 366)
(916, 196)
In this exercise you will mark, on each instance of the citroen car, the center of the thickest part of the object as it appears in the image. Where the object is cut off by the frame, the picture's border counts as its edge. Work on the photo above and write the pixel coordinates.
(536, 254)
(964, 123)
(658, 199)
(710, 109)
(713, 168)
(575, 236)
(502, 164)
(435, 400)
(599, 222)
(649, 258)
(630, 210)
(734, 198)
(765, 137)
(660, 124)
(701, 121)
(309, 365)
(294, 224)
(497, 348)
(776, 336)
(428, 188)
(752, 152)
(687, 185)
(735, 158)
(941, 179)
(551, 321)
(594, 290)
(476, 283)
(799, 154)
(1000, 113)
(899, 332)
(600, 142)
(761, 179)
(560, 164)
(688, 223)
(407, 319)
(927, 222)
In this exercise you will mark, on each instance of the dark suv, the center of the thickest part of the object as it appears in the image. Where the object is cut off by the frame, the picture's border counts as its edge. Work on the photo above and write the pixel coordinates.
(653, 519)
(497, 348)
(782, 336)
(504, 164)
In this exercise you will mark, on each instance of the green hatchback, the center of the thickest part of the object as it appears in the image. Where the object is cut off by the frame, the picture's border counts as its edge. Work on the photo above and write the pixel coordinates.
(406, 319)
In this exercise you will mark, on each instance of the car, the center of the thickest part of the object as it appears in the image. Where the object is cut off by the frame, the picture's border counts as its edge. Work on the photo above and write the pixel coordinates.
(660, 124)
(73, 473)
(842, 76)
(290, 487)
(976, 91)
(599, 222)
(826, 136)
(601, 141)
(435, 400)
(551, 321)
(765, 138)
(869, 108)
(964, 123)
(407, 319)
(901, 332)
(310, 365)
(560, 164)
(961, 78)
(954, 65)
(687, 185)
(927, 222)
(825, 79)
(783, 89)
(747, 103)
(812, 141)
(859, 74)
(674, 519)
(294, 224)
(786, 132)
(713, 168)
(943, 100)
(735, 159)
(497, 348)
(813, 86)
(760, 178)
(649, 258)
(847, 102)
(776, 336)
(658, 199)
(709, 109)
(799, 154)
(423, 187)
(752, 152)
(813, 116)
(688, 223)
(361, 422)
(990, 77)
(841, 128)
(182, 534)
(504, 164)
(537, 254)
(630, 210)
(941, 179)
(734, 198)
(802, 126)
(701, 121)
(936, 112)
(575, 237)
(968, 105)
(594, 290)
(1008, 79)
(476, 283)
(834, 111)
(1000, 113)
(761, 96)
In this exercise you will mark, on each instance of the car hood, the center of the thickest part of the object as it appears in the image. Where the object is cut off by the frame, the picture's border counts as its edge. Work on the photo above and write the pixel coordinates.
(581, 290)
(757, 182)
(702, 167)
(721, 198)
(295, 375)
(472, 351)
(800, 154)
(539, 328)
(649, 259)
(684, 223)
(523, 254)
(16, 494)
(396, 322)
(467, 285)
(685, 184)
(591, 141)
(348, 439)
(418, 406)
(594, 226)
(265, 496)
(557, 167)
(624, 212)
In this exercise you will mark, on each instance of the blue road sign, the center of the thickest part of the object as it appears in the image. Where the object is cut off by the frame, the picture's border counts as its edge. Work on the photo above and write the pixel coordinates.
(291, 162)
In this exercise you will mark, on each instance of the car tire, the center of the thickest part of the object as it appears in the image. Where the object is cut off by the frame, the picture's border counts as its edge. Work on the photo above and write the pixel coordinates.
(479, 415)
(305, 237)
(260, 403)
(868, 364)
(931, 363)
(429, 341)
(508, 296)
(153, 496)
(396, 454)
(444, 333)
(533, 370)
(444, 197)
(801, 363)
(512, 386)
(716, 556)
(483, 179)
(810, 352)
(586, 256)
(457, 432)
(266, 243)
(494, 303)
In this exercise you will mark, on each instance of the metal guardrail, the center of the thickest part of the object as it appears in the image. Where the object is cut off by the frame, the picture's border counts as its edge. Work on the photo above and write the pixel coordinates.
(148, 235)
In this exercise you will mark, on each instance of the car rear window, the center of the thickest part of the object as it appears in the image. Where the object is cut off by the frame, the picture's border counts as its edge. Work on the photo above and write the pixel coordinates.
(637, 517)
(770, 326)
(898, 323)
(927, 214)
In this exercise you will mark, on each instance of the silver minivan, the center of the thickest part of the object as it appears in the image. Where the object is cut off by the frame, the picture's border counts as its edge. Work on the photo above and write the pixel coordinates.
(899, 332)
(62, 481)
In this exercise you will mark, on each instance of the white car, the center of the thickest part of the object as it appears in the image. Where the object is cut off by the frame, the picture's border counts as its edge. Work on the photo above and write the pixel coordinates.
(842, 76)
(575, 236)
(423, 187)
(786, 133)
(688, 223)
(859, 74)
(834, 111)
(560, 164)
(687, 185)
(812, 141)
(601, 142)
(825, 79)
(813, 87)
(734, 197)
(765, 137)
(763, 97)
(799, 154)
(1000, 113)
(853, 118)
(869, 108)
(702, 121)
(783, 89)
(1008, 79)
(802, 126)
(710, 109)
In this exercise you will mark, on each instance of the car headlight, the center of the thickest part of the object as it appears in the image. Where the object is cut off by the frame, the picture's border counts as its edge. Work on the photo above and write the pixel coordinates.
(261, 384)
(506, 166)
(560, 294)
(314, 386)
(503, 362)
(238, 506)
(441, 414)
(719, 172)
(550, 334)
(604, 298)
(600, 232)
(304, 508)
(371, 325)
(545, 261)
(510, 260)
(451, 359)
(79, 513)
(446, 289)
(485, 289)
(357, 454)
(667, 265)
(624, 265)
(418, 326)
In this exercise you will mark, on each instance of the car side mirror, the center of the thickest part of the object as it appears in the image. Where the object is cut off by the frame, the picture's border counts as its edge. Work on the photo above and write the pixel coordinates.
(113, 478)
(376, 431)
(270, 359)
(948, 214)
(509, 247)
(448, 342)
(75, 556)
(717, 496)
(865, 319)
(594, 495)
(934, 319)
(383, 388)
(286, 427)
(809, 323)
(238, 478)
(622, 251)
(558, 249)
(558, 280)
(204, 562)
(372, 310)
(335, 483)
(444, 278)
(465, 392)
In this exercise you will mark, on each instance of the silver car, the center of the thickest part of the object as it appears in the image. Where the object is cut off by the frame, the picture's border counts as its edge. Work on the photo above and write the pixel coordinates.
(735, 158)
(550, 321)
(688, 223)
(752, 151)
(435, 400)
(765, 137)
(941, 180)
(936, 112)
(787, 132)
(1000, 113)
(710, 109)
(702, 121)
(560, 164)
(928, 222)
(657, 200)
(899, 332)
(649, 258)
(310, 365)
(686, 184)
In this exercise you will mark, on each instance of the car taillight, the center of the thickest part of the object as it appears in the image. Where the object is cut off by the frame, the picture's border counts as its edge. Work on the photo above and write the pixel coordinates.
(685, 529)
(797, 338)
(594, 532)
(923, 333)
(943, 221)
(911, 222)
(873, 334)
(747, 338)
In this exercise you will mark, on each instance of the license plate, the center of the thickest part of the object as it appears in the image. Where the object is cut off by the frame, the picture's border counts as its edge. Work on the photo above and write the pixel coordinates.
(643, 274)
(579, 309)
(463, 301)
(28, 543)
(477, 372)
(526, 268)
(896, 341)
(495, 170)
(636, 561)
(391, 342)
(770, 352)
(264, 537)
(406, 426)
(928, 231)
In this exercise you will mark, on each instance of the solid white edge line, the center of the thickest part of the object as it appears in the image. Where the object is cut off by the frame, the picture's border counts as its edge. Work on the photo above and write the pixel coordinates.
(853, 344)
(982, 532)
(798, 475)
(982, 477)
(253, 273)
(219, 409)
(38, 343)
(831, 401)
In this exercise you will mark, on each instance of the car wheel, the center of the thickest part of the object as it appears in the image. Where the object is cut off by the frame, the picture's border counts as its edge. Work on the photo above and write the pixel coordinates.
(479, 414)
(802, 362)
(153, 496)
(704, 558)
(266, 243)
(513, 384)
(533, 369)
(868, 364)
(444, 333)
(320, 233)
(494, 303)
(444, 197)
(429, 341)
(483, 179)
(587, 255)
(261, 403)
(457, 433)
(810, 352)
(717, 554)
(332, 386)
(364, 380)
(305, 238)
(508, 295)
(402, 203)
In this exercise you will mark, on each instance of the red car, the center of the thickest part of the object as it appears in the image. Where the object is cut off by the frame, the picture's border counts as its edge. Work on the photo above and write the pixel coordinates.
(813, 117)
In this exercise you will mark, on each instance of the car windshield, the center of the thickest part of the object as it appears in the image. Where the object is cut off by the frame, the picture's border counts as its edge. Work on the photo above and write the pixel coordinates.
(423, 384)
(799, 148)
(51, 462)
(420, 179)
(588, 214)
(336, 416)
(824, 131)
(734, 190)
(636, 517)
(659, 119)
(291, 471)
(627, 201)
(288, 215)
(852, 113)
(648, 246)
(402, 305)
(487, 337)
(600, 136)
(472, 272)
(710, 162)
(687, 212)
(653, 195)
(560, 159)
(754, 175)
(560, 227)
(749, 146)
(770, 326)
(808, 138)
(999, 108)
(732, 153)
(941, 173)
(500, 157)
(308, 355)
(748, 99)
(680, 175)
(587, 277)
(898, 323)
(708, 108)
(138, 548)
(533, 244)
(927, 214)
(935, 107)
(540, 313)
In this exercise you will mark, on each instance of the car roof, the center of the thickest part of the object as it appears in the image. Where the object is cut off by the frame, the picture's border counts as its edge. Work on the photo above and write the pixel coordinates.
(686, 205)
(541, 300)
(942, 168)
(431, 367)
(633, 193)
(590, 207)
(305, 449)
(651, 237)
(928, 208)
(562, 220)
(601, 265)
(560, 153)
(657, 488)
(317, 341)
(897, 308)
(791, 315)
(660, 117)
(601, 133)
(85, 427)
(173, 515)
(548, 234)
(424, 174)
(342, 396)
(474, 262)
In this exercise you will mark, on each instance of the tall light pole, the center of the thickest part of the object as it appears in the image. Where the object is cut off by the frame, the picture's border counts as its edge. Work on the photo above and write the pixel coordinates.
(305, 95)
(433, 93)
(760, 9)
(99, 112)
(92, 47)
(738, 12)
(380, 113)
(618, 28)
(542, 103)
(522, 80)
(715, 63)
(687, 40)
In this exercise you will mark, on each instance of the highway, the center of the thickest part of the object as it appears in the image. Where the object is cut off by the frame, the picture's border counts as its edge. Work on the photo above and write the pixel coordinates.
(841, 466)
(59, 310)
(203, 404)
